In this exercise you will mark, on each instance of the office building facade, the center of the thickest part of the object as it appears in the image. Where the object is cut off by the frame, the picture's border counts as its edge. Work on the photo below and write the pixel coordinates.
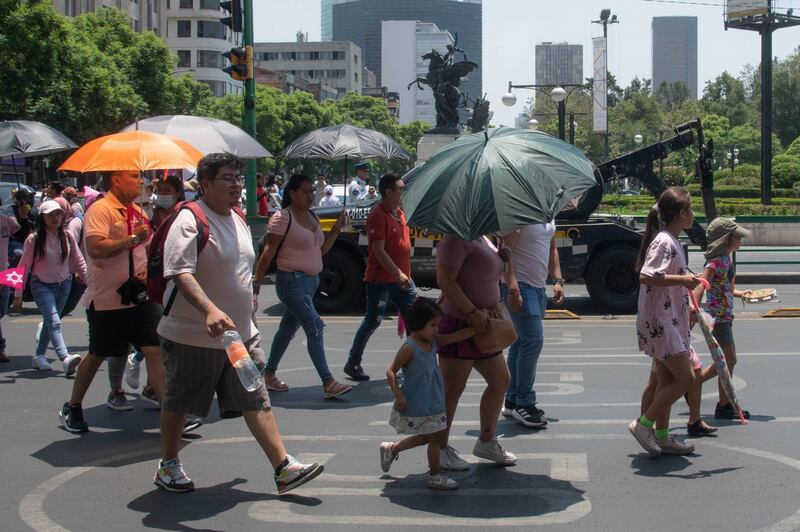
(336, 64)
(403, 43)
(359, 21)
(675, 52)
(559, 63)
(147, 15)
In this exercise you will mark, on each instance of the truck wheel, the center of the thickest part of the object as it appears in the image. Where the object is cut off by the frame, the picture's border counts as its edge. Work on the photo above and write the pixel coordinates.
(340, 283)
(612, 280)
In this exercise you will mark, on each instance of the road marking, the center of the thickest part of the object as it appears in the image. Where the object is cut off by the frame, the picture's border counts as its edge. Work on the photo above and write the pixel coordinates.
(281, 512)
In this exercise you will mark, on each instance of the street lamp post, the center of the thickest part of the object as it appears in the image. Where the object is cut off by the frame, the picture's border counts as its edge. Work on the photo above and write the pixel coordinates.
(559, 95)
(733, 156)
(606, 18)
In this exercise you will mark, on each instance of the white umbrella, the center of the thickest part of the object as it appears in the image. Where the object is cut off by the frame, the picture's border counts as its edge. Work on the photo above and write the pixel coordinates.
(208, 135)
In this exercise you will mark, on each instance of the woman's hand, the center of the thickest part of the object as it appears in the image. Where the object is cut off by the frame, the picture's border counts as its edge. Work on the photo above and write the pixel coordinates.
(480, 321)
(689, 280)
(400, 402)
(340, 221)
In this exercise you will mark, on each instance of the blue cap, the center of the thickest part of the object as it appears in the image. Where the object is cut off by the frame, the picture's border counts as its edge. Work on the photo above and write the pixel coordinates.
(361, 166)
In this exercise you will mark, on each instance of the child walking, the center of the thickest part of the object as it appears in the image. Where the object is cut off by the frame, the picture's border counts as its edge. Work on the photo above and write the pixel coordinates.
(419, 401)
(724, 237)
(662, 321)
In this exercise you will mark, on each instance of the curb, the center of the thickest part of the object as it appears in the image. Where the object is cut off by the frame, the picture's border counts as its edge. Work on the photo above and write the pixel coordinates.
(768, 278)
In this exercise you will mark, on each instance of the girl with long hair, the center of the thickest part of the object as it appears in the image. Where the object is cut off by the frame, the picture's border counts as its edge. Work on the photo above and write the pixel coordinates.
(51, 255)
(662, 321)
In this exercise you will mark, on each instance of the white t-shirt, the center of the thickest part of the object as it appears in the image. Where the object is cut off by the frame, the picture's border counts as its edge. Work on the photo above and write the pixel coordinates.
(532, 253)
(224, 270)
(329, 201)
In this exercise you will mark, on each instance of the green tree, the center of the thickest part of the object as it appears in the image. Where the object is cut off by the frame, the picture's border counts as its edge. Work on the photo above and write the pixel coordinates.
(409, 134)
(786, 98)
(364, 111)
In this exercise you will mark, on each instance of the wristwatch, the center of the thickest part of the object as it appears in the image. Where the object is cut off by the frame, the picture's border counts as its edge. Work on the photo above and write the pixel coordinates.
(559, 281)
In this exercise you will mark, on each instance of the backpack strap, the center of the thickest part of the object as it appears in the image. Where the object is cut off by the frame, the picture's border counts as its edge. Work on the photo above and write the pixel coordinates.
(288, 226)
(203, 234)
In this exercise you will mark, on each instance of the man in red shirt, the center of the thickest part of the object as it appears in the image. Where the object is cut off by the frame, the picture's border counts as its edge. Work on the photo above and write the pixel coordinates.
(388, 275)
(262, 195)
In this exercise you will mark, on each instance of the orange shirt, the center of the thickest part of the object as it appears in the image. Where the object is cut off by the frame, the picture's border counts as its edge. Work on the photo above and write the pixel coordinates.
(382, 225)
(107, 217)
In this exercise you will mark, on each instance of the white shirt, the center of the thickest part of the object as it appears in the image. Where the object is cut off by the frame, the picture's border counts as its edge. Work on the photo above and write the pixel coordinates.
(532, 253)
(224, 270)
(329, 201)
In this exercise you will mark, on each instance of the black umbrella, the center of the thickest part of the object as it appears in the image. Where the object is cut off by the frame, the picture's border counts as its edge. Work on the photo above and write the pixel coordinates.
(31, 139)
(342, 142)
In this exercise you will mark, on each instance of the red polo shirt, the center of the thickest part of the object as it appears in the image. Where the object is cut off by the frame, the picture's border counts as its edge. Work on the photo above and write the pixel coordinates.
(381, 225)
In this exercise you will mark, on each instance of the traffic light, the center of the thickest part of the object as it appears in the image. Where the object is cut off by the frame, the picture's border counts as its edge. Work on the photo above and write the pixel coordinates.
(241, 67)
(234, 7)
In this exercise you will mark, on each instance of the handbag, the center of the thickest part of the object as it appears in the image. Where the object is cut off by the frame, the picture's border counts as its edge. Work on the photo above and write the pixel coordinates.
(502, 333)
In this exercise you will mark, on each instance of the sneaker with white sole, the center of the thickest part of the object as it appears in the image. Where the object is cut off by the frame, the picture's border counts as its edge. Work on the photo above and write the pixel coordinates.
(40, 363)
(674, 446)
(528, 416)
(171, 477)
(449, 460)
(117, 401)
(71, 364)
(132, 369)
(295, 474)
(192, 423)
(508, 408)
(71, 417)
(148, 395)
(440, 481)
(492, 450)
(387, 456)
(645, 436)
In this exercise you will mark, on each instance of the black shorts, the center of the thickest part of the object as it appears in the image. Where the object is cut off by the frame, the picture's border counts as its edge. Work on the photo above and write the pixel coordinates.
(112, 331)
(723, 333)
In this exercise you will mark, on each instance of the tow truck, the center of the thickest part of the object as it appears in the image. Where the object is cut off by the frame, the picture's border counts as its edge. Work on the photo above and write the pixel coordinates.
(600, 249)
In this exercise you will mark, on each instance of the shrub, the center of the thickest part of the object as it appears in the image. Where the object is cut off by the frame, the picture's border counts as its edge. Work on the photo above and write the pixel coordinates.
(674, 176)
(786, 174)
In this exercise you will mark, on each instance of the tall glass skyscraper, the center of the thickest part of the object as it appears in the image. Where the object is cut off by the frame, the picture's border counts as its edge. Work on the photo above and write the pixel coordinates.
(326, 17)
(359, 21)
(675, 52)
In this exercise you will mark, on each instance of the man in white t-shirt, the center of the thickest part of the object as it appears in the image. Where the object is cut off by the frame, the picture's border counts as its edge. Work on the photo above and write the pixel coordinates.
(329, 200)
(535, 260)
(212, 294)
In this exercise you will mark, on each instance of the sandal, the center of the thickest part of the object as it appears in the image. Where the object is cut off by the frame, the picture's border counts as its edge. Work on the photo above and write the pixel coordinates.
(335, 389)
(274, 384)
(696, 429)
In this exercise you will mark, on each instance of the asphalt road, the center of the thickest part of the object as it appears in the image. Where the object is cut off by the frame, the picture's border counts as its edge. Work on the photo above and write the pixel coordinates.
(584, 472)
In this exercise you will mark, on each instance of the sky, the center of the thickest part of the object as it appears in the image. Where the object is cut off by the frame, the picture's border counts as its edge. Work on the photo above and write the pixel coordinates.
(511, 28)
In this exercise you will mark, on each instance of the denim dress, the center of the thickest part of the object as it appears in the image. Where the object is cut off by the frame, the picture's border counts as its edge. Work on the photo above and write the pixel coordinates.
(424, 392)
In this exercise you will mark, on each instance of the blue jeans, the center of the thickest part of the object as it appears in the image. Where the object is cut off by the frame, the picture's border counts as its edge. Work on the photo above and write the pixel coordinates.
(51, 298)
(296, 291)
(523, 355)
(378, 297)
(5, 293)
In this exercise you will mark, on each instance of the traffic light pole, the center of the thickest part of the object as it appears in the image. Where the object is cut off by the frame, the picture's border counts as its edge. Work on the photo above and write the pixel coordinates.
(250, 109)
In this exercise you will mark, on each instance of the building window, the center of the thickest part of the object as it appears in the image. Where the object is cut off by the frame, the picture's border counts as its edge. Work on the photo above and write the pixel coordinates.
(310, 74)
(337, 55)
(209, 4)
(184, 28)
(210, 29)
(186, 4)
(355, 58)
(209, 58)
(355, 77)
(184, 58)
(217, 87)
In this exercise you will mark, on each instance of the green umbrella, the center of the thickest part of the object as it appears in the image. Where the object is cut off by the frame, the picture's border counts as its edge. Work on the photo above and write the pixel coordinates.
(496, 180)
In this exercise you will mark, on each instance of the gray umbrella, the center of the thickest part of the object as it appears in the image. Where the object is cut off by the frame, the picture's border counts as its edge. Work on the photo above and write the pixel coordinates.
(208, 135)
(342, 142)
(31, 139)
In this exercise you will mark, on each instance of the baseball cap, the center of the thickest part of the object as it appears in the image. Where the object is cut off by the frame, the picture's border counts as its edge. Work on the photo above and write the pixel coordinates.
(49, 206)
(717, 235)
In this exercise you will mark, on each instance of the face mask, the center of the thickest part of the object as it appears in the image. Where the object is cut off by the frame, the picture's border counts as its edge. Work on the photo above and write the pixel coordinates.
(165, 201)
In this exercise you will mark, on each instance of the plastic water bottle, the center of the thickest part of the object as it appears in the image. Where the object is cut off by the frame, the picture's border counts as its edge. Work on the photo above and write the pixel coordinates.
(240, 359)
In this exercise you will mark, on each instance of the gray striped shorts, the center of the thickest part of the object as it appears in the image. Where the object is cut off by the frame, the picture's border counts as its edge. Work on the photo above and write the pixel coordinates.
(194, 374)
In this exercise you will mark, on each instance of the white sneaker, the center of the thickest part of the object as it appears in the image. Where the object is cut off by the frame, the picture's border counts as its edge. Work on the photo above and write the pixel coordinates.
(492, 450)
(40, 362)
(387, 456)
(673, 446)
(132, 368)
(441, 481)
(450, 461)
(71, 364)
(646, 437)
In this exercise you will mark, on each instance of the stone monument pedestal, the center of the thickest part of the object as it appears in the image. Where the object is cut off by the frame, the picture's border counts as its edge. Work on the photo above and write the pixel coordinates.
(433, 141)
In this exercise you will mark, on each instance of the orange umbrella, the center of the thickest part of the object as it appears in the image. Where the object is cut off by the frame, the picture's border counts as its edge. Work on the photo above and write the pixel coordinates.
(133, 150)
